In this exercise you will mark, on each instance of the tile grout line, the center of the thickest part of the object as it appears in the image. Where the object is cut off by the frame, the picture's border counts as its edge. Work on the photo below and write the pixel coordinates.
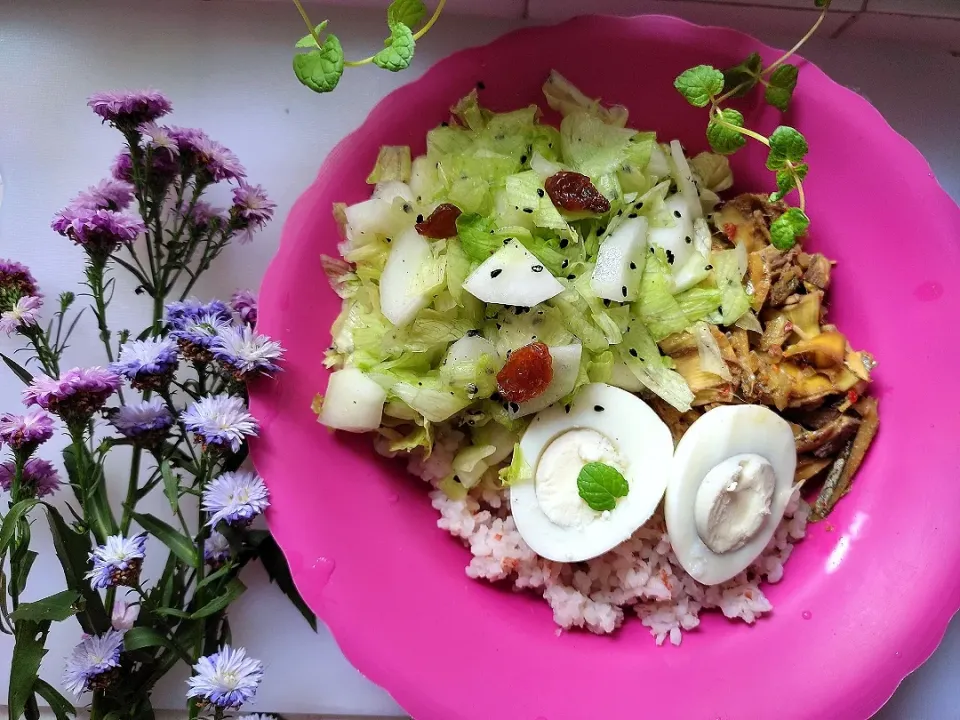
(525, 13)
(849, 22)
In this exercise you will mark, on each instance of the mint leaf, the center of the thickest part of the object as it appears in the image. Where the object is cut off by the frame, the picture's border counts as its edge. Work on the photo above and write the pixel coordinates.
(822, 3)
(307, 40)
(783, 81)
(785, 230)
(321, 68)
(723, 138)
(787, 180)
(746, 73)
(398, 49)
(600, 485)
(699, 84)
(786, 145)
(407, 12)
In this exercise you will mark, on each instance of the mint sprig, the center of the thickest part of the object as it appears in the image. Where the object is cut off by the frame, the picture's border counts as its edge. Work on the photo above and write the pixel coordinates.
(600, 485)
(321, 67)
(704, 86)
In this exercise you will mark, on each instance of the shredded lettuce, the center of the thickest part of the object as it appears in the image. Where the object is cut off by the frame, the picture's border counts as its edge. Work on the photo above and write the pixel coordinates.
(393, 163)
(517, 471)
(591, 146)
(697, 303)
(639, 352)
(566, 98)
(658, 309)
(469, 465)
(735, 301)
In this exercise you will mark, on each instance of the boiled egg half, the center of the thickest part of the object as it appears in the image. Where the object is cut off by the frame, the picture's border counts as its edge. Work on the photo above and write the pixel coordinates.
(602, 424)
(732, 478)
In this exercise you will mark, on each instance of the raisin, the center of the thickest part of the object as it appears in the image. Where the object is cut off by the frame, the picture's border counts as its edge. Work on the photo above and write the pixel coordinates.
(527, 373)
(442, 222)
(575, 192)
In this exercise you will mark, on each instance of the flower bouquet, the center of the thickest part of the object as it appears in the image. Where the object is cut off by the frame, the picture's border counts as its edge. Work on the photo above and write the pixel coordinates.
(172, 397)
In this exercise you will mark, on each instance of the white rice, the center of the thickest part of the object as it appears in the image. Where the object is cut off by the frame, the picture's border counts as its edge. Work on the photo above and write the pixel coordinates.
(641, 575)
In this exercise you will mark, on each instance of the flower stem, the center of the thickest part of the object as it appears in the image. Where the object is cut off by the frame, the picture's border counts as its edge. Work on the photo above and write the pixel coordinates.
(95, 275)
(787, 55)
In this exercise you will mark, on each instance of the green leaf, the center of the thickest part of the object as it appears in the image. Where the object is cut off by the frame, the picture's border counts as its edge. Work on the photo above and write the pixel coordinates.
(600, 485)
(787, 180)
(723, 138)
(783, 81)
(28, 651)
(276, 566)
(321, 68)
(746, 74)
(398, 49)
(822, 3)
(179, 544)
(307, 40)
(143, 637)
(11, 519)
(56, 608)
(171, 485)
(228, 594)
(785, 230)
(24, 564)
(700, 84)
(18, 369)
(407, 12)
(61, 707)
(87, 476)
(72, 550)
(786, 145)
(217, 574)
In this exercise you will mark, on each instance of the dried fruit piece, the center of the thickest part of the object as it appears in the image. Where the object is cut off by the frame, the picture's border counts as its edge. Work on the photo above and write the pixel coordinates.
(526, 374)
(576, 193)
(442, 222)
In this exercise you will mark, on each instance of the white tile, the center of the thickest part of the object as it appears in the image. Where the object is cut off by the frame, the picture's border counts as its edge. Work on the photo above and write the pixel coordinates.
(931, 32)
(930, 8)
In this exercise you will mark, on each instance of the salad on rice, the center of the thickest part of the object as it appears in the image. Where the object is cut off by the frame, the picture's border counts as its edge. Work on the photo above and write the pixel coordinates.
(613, 381)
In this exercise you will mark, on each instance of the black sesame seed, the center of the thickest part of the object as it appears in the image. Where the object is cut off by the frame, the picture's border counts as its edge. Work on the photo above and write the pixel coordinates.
(419, 218)
(566, 408)
(473, 333)
(598, 408)
(652, 249)
(389, 240)
(420, 384)
(514, 407)
(518, 310)
(494, 273)
(619, 212)
(563, 243)
(720, 309)
(606, 302)
(633, 266)
(407, 208)
(632, 215)
(444, 124)
(528, 210)
(564, 264)
(571, 276)
(540, 192)
(676, 214)
(537, 268)
(633, 351)
(480, 85)
(523, 161)
(688, 239)
(506, 241)
(506, 406)
(499, 326)
(639, 205)
(496, 397)
(670, 257)
(708, 268)
(624, 290)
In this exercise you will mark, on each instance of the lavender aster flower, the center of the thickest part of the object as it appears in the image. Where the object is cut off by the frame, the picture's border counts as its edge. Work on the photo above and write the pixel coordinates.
(124, 616)
(208, 158)
(117, 561)
(24, 312)
(244, 304)
(108, 194)
(39, 477)
(16, 281)
(216, 548)
(245, 352)
(226, 679)
(159, 137)
(198, 337)
(92, 664)
(146, 422)
(204, 215)
(220, 421)
(122, 168)
(75, 395)
(257, 716)
(32, 428)
(180, 314)
(99, 232)
(127, 110)
(252, 208)
(235, 497)
(148, 364)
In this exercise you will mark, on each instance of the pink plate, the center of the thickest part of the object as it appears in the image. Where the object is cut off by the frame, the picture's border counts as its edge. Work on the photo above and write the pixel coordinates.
(865, 598)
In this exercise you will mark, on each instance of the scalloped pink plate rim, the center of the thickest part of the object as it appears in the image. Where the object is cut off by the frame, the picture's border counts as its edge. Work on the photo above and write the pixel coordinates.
(865, 598)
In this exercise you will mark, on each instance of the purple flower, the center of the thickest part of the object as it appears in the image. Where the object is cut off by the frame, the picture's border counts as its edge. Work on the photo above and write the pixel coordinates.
(244, 304)
(124, 616)
(179, 314)
(159, 137)
(16, 281)
(235, 497)
(147, 421)
(147, 363)
(122, 168)
(93, 663)
(252, 208)
(39, 476)
(216, 548)
(25, 311)
(204, 215)
(99, 232)
(32, 428)
(245, 352)
(208, 158)
(75, 395)
(197, 337)
(127, 110)
(117, 561)
(226, 679)
(108, 194)
(220, 422)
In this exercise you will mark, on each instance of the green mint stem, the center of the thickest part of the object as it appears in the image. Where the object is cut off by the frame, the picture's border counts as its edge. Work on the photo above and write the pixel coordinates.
(790, 53)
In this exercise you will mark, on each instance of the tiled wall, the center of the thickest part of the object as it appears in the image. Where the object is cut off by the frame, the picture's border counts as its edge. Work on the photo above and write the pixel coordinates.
(928, 22)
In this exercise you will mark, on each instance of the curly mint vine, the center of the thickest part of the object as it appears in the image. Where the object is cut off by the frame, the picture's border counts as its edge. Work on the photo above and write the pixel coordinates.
(322, 66)
(705, 85)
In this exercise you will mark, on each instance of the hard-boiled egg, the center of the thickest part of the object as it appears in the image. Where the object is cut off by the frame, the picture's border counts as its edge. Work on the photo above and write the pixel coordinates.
(732, 478)
(602, 424)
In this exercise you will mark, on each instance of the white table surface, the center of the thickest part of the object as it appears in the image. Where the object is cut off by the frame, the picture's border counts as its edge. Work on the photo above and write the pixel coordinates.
(226, 67)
